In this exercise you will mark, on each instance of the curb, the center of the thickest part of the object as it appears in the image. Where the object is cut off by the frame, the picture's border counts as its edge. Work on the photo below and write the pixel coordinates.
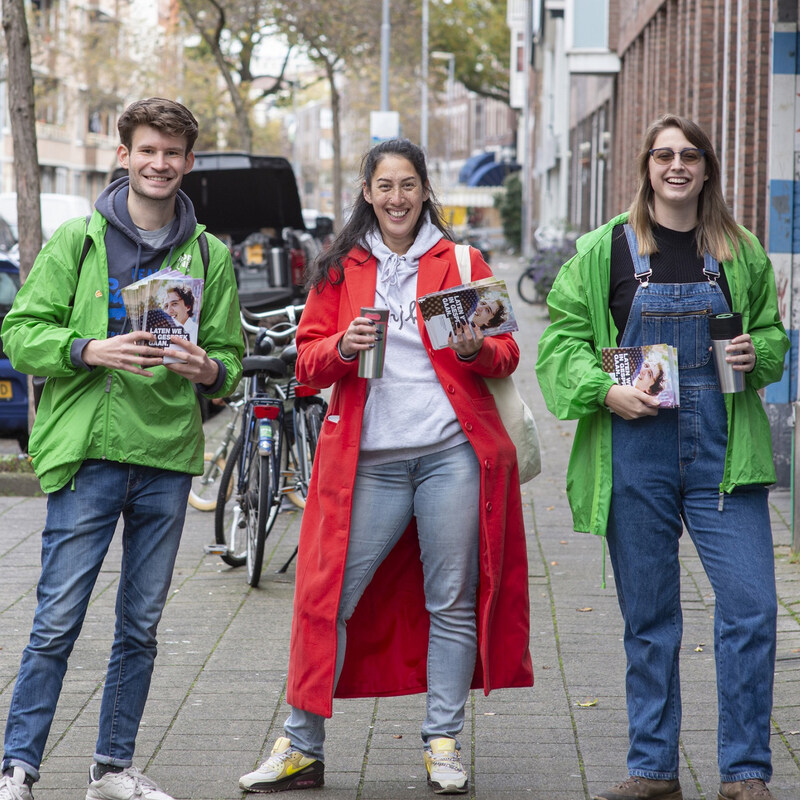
(20, 484)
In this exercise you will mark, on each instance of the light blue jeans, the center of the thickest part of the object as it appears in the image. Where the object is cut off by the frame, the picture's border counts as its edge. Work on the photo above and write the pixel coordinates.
(442, 491)
(79, 528)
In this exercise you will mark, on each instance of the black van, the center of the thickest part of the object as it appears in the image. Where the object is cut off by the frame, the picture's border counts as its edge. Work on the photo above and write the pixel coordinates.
(252, 203)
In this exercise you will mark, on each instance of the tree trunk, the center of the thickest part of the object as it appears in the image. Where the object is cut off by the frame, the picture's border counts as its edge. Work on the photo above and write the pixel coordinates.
(23, 133)
(336, 113)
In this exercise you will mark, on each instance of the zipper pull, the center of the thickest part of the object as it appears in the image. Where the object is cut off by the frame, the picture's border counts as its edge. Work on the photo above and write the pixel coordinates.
(721, 501)
(108, 382)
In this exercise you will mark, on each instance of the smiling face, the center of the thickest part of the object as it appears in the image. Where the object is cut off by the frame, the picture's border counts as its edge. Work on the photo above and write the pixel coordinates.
(676, 186)
(396, 194)
(156, 163)
(649, 378)
(485, 312)
(176, 308)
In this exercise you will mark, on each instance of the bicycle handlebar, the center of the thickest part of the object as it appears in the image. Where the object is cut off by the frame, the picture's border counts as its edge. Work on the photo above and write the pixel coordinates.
(286, 329)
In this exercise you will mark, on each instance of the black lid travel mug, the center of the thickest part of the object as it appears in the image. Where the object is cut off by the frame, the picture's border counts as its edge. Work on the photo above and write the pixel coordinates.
(370, 362)
(723, 328)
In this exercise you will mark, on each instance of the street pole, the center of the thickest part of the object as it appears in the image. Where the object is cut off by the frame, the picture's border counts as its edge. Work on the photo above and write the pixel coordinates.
(527, 193)
(386, 29)
(423, 123)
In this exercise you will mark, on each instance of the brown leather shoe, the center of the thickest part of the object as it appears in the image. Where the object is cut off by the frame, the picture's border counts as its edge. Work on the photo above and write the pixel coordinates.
(751, 789)
(636, 788)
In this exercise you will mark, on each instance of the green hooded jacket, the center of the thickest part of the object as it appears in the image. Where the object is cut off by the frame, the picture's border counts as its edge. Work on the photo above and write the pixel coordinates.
(102, 413)
(574, 385)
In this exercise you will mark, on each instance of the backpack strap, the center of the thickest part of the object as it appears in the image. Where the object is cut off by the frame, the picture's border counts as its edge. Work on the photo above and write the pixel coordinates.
(202, 243)
(87, 244)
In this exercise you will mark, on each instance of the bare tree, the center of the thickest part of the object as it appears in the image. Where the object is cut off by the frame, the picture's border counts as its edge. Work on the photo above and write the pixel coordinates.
(234, 33)
(336, 36)
(23, 133)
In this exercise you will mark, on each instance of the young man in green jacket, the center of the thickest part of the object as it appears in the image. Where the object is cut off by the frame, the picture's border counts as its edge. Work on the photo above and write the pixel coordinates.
(118, 432)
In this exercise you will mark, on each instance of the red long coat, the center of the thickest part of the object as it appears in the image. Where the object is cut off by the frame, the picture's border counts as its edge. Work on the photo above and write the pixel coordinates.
(387, 637)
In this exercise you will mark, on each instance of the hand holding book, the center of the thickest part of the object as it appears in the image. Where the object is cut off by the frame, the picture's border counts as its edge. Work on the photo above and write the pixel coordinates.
(484, 303)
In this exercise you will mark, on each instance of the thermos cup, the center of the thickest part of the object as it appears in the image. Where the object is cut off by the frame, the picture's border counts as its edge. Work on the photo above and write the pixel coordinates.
(370, 362)
(723, 328)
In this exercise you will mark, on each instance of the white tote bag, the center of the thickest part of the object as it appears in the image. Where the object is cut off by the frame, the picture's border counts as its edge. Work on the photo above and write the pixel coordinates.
(517, 417)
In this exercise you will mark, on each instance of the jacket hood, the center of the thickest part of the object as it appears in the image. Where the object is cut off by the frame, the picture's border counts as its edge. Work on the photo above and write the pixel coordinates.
(113, 205)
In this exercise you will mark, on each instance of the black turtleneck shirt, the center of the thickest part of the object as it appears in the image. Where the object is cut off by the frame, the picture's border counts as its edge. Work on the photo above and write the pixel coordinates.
(675, 262)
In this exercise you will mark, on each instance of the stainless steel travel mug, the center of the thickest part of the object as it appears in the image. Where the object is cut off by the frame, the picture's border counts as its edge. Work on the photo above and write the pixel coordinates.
(723, 328)
(370, 362)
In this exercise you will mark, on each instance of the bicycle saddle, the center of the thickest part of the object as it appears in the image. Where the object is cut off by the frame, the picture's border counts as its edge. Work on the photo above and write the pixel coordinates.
(273, 366)
(289, 355)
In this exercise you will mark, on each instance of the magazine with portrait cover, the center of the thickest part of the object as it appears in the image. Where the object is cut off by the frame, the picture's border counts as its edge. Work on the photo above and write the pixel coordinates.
(166, 303)
(653, 368)
(484, 302)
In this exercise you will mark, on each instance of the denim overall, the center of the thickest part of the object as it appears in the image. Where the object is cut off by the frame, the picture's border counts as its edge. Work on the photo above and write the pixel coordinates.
(667, 471)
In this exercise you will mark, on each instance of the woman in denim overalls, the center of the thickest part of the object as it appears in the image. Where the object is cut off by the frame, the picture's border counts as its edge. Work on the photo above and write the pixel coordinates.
(704, 465)
(652, 498)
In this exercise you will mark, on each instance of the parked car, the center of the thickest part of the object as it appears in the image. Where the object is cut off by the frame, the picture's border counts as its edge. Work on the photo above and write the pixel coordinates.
(252, 203)
(13, 384)
(56, 208)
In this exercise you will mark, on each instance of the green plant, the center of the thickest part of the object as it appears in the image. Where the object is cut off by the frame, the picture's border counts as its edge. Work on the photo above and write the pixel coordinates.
(509, 204)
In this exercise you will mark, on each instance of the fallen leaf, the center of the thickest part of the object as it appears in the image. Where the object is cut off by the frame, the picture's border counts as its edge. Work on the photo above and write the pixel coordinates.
(586, 608)
(397, 736)
(554, 563)
(587, 704)
(563, 541)
(698, 649)
(489, 713)
(550, 508)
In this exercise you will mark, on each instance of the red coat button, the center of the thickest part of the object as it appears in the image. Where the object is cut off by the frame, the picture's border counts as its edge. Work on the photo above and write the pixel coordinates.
(489, 506)
(468, 426)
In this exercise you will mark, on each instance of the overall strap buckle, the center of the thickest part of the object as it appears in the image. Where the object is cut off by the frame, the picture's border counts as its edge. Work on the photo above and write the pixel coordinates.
(641, 263)
(711, 268)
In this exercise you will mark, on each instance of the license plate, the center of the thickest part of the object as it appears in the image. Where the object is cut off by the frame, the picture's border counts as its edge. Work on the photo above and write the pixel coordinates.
(6, 392)
(254, 254)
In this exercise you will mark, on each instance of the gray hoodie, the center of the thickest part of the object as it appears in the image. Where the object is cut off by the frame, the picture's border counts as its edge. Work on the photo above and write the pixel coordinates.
(407, 413)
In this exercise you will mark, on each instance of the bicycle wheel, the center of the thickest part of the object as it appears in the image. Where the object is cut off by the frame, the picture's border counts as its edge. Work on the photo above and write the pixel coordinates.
(229, 527)
(261, 507)
(526, 288)
(203, 494)
(308, 424)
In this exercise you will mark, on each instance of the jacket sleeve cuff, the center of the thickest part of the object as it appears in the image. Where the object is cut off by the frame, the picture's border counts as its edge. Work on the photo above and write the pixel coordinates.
(222, 374)
(76, 353)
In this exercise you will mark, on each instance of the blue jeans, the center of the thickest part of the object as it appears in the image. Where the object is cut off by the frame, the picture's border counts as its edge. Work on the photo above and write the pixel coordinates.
(81, 519)
(442, 491)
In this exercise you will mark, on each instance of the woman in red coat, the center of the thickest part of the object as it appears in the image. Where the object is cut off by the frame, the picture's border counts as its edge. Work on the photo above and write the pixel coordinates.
(412, 569)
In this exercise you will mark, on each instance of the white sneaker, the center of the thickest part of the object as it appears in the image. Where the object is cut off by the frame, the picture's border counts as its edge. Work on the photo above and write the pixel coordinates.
(443, 763)
(13, 786)
(285, 769)
(130, 784)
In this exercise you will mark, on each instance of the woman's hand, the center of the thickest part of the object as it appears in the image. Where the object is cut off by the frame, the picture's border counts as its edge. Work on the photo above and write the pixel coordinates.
(631, 403)
(741, 354)
(467, 341)
(361, 334)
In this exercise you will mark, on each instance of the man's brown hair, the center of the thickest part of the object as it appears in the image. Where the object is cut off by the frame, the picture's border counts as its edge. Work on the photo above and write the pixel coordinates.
(164, 115)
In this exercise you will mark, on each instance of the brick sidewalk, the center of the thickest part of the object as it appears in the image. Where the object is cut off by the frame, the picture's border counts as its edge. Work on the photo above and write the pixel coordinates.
(217, 702)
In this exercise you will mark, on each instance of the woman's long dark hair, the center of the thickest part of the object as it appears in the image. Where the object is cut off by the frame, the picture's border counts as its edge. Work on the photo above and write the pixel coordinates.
(327, 268)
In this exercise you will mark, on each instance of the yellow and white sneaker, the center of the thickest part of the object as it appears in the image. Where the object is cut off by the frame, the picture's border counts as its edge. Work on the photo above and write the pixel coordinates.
(443, 763)
(284, 769)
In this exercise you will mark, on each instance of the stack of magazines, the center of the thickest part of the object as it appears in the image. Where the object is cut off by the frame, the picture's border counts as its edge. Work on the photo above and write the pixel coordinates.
(651, 368)
(166, 303)
(484, 303)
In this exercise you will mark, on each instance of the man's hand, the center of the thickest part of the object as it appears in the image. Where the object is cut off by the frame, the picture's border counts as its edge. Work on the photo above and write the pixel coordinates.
(193, 363)
(128, 351)
(631, 403)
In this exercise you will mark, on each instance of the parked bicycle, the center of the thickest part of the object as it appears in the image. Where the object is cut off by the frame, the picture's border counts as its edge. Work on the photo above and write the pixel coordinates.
(205, 487)
(273, 454)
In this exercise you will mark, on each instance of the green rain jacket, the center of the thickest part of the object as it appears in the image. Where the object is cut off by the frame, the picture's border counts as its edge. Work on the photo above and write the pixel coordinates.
(103, 413)
(574, 385)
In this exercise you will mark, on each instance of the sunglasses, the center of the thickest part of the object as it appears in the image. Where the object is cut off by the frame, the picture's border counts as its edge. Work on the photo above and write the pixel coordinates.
(666, 155)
